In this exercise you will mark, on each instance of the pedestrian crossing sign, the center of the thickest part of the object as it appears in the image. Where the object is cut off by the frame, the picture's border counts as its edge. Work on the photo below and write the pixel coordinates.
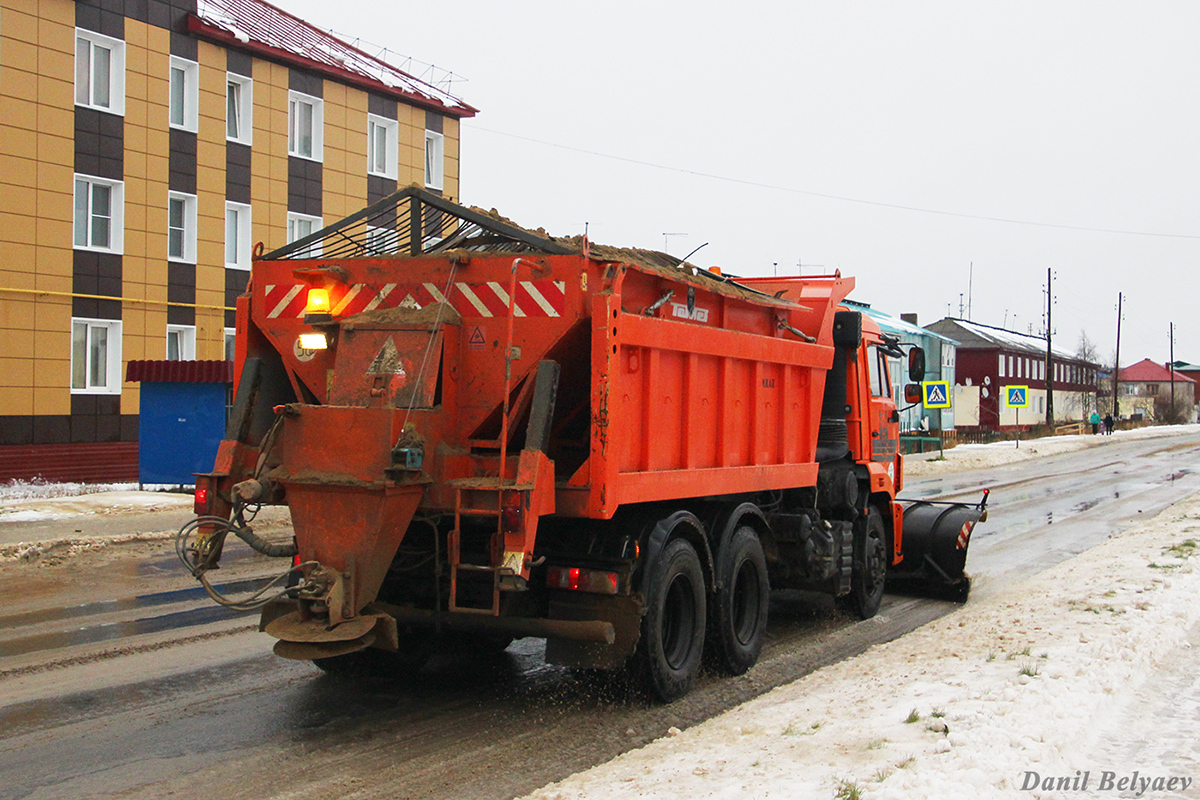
(1016, 396)
(935, 394)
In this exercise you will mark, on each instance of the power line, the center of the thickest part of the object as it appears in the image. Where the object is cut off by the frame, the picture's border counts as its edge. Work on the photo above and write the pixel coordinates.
(843, 198)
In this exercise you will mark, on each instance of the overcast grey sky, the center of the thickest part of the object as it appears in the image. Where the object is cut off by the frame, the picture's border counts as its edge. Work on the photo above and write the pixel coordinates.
(887, 140)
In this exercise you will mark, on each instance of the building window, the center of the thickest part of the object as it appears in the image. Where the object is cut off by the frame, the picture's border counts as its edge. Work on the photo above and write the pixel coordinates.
(237, 235)
(99, 72)
(181, 343)
(1000, 368)
(184, 101)
(301, 225)
(380, 240)
(383, 146)
(435, 145)
(95, 356)
(239, 108)
(1151, 389)
(230, 343)
(181, 227)
(305, 121)
(99, 214)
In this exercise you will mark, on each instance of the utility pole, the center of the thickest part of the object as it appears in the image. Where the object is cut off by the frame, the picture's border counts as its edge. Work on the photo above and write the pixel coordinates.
(1117, 365)
(1171, 335)
(1049, 352)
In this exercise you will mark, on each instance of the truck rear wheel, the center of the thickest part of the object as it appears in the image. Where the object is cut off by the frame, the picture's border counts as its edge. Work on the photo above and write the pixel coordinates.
(741, 601)
(869, 568)
(672, 641)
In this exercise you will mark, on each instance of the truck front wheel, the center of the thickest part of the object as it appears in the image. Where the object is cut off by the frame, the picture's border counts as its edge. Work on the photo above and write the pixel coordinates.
(869, 568)
(672, 641)
(741, 601)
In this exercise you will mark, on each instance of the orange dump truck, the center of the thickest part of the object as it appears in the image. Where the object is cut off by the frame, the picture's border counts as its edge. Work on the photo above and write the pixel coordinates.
(484, 432)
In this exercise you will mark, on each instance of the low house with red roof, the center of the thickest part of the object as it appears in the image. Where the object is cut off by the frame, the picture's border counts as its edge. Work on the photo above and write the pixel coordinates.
(1148, 390)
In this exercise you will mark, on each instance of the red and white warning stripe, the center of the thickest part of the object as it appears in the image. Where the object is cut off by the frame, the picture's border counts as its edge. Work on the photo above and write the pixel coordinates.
(964, 534)
(533, 298)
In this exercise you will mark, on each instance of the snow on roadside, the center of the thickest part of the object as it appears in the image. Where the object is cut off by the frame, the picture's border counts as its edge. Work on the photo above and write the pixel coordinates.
(1028, 680)
(106, 502)
(977, 456)
(37, 489)
(56, 551)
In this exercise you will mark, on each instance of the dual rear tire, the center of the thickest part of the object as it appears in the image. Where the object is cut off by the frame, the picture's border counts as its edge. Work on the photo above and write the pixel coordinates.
(678, 614)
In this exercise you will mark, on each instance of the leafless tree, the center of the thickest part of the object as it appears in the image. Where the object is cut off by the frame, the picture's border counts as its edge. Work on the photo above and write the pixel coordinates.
(1087, 350)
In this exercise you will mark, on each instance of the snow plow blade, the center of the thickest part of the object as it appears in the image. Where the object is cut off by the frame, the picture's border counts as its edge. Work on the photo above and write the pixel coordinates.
(936, 538)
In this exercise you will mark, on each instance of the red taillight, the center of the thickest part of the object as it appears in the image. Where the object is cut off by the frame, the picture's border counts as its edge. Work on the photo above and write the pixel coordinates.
(510, 519)
(577, 579)
(201, 505)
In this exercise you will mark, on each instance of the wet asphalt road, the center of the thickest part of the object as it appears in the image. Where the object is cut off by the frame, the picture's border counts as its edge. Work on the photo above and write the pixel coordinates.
(152, 691)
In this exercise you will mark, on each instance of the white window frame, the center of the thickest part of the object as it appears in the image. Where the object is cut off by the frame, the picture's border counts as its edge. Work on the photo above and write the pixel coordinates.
(186, 344)
(183, 94)
(381, 130)
(241, 246)
(229, 342)
(1000, 368)
(435, 160)
(295, 222)
(374, 234)
(296, 100)
(87, 44)
(244, 108)
(188, 256)
(83, 235)
(112, 356)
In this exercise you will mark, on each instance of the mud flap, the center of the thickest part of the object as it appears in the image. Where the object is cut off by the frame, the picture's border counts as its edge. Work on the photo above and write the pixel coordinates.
(935, 539)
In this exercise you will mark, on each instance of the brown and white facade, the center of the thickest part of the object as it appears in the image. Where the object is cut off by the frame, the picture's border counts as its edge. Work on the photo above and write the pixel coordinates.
(146, 146)
(989, 359)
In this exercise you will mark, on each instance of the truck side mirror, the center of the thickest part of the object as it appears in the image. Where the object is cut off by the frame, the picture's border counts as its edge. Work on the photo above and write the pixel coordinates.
(912, 393)
(916, 365)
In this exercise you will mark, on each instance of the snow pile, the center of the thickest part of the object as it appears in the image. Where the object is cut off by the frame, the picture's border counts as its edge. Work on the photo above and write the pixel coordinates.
(38, 489)
(1029, 680)
(976, 456)
(56, 551)
(102, 501)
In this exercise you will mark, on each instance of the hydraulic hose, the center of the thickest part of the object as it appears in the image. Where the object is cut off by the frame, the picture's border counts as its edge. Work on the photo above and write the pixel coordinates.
(247, 535)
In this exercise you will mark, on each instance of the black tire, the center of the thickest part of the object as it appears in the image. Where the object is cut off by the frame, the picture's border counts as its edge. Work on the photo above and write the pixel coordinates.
(740, 604)
(869, 568)
(672, 642)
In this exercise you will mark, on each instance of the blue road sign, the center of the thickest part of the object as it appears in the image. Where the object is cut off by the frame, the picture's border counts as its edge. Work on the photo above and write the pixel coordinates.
(1016, 396)
(935, 394)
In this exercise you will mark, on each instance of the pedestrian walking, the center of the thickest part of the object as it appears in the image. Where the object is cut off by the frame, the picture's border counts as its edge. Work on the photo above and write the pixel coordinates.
(1108, 424)
(1095, 420)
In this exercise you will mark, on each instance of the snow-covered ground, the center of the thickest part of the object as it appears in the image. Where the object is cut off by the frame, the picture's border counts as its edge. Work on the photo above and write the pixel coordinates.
(105, 501)
(977, 456)
(1082, 679)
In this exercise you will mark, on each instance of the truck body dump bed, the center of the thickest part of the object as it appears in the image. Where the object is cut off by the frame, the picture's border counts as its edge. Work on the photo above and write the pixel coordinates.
(673, 383)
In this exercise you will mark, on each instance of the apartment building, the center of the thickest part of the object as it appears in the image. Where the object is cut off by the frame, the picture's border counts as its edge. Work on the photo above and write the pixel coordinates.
(146, 148)
(989, 359)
